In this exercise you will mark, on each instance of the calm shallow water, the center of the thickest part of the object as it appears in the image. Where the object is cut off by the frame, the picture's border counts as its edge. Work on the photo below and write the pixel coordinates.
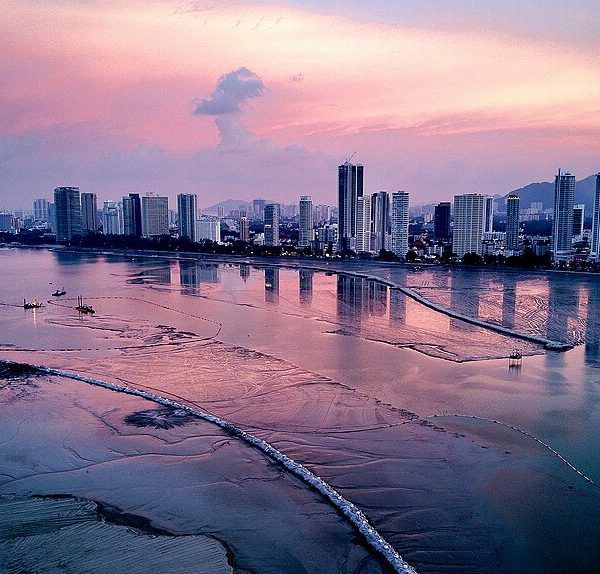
(342, 374)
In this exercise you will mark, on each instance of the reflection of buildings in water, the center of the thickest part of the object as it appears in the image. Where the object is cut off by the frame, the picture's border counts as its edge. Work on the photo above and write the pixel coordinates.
(352, 297)
(305, 284)
(272, 285)
(592, 325)
(244, 272)
(464, 297)
(377, 298)
(397, 307)
(188, 277)
(563, 304)
(208, 273)
(509, 301)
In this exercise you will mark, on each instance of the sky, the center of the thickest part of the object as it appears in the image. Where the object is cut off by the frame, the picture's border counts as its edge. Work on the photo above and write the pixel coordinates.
(265, 98)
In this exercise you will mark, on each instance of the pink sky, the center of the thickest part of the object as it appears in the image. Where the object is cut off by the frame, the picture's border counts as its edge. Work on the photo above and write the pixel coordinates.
(436, 100)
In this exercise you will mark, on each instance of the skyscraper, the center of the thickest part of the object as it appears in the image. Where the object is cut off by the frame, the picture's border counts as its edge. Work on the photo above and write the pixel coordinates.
(112, 218)
(578, 221)
(380, 220)
(68, 213)
(187, 214)
(399, 225)
(363, 224)
(258, 207)
(208, 228)
(350, 188)
(155, 215)
(306, 221)
(512, 222)
(132, 215)
(441, 221)
(244, 228)
(271, 218)
(488, 215)
(595, 251)
(468, 224)
(89, 212)
(562, 230)
(40, 209)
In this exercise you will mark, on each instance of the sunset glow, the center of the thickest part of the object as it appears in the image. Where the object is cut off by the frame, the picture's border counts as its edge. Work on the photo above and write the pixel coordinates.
(102, 96)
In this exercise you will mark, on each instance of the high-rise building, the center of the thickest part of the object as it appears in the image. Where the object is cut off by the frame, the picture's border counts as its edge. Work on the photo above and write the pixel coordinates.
(468, 224)
(488, 216)
(187, 214)
(40, 209)
(400, 212)
(322, 214)
(380, 220)
(244, 228)
(562, 229)
(208, 228)
(52, 217)
(155, 215)
(363, 224)
(512, 222)
(595, 251)
(271, 219)
(306, 221)
(350, 188)
(68, 213)
(258, 207)
(89, 212)
(6, 221)
(441, 220)
(578, 221)
(132, 215)
(112, 218)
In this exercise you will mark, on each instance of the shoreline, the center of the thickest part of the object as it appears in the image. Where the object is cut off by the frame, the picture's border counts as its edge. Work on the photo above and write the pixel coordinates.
(332, 267)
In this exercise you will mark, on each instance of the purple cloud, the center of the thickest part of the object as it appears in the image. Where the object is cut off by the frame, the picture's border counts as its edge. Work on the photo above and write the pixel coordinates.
(232, 91)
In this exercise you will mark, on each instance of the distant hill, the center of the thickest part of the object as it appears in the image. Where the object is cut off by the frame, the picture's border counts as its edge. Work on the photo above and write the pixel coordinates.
(585, 190)
(228, 205)
(231, 205)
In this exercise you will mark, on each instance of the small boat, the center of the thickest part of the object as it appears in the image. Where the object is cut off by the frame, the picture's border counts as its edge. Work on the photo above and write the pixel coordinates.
(59, 293)
(31, 304)
(82, 308)
(514, 359)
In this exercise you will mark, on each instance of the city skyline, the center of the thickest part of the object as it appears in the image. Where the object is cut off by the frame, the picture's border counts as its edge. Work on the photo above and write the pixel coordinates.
(111, 111)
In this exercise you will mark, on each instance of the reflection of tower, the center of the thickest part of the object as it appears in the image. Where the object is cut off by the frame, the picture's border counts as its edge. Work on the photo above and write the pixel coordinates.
(188, 277)
(377, 298)
(592, 325)
(305, 277)
(464, 297)
(563, 301)
(397, 307)
(208, 273)
(162, 274)
(272, 285)
(352, 297)
(509, 301)
(244, 272)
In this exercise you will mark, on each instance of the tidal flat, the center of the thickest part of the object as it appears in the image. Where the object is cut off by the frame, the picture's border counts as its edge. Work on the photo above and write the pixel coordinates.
(368, 389)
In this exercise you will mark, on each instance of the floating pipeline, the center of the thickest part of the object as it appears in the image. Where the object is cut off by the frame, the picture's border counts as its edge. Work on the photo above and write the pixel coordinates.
(353, 515)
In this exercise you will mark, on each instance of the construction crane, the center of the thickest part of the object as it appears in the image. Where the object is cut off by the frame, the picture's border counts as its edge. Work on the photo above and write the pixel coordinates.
(348, 159)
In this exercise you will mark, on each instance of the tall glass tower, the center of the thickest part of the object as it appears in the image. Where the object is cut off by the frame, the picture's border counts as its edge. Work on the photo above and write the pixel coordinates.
(350, 188)
(595, 252)
(562, 230)
(68, 213)
(512, 222)
(187, 214)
